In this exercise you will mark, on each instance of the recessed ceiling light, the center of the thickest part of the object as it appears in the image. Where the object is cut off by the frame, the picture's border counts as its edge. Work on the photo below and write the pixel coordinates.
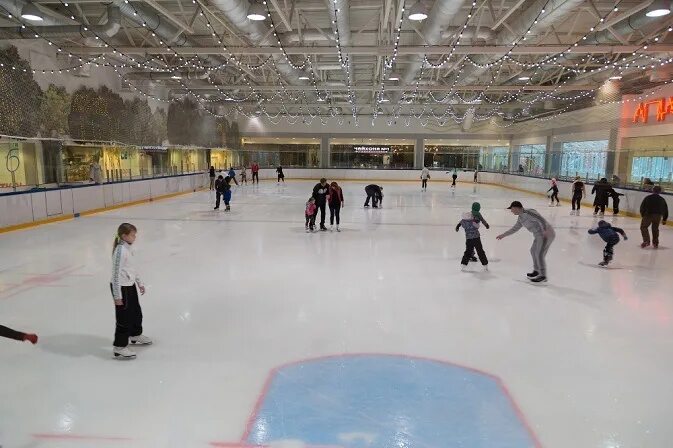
(615, 77)
(304, 77)
(394, 76)
(524, 78)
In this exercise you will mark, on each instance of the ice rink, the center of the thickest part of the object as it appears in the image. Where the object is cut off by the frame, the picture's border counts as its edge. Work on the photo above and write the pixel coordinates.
(368, 338)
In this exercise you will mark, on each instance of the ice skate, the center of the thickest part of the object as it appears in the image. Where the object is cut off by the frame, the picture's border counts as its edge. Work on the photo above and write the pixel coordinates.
(307, 231)
(323, 228)
(228, 209)
(655, 246)
(601, 214)
(473, 259)
(644, 244)
(484, 268)
(604, 263)
(463, 268)
(539, 279)
(532, 274)
(558, 204)
(140, 340)
(331, 228)
(216, 208)
(338, 230)
(123, 353)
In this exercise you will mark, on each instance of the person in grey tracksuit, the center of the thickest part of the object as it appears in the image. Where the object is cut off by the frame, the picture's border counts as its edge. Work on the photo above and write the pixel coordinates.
(543, 234)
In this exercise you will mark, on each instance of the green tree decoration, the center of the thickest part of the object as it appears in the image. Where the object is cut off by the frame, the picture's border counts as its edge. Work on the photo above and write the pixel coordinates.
(20, 96)
(54, 111)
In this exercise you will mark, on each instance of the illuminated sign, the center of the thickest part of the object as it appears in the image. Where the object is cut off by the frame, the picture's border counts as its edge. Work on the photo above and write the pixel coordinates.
(371, 149)
(664, 107)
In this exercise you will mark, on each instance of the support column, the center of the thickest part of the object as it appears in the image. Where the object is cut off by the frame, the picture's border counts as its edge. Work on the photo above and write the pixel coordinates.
(419, 153)
(613, 163)
(324, 152)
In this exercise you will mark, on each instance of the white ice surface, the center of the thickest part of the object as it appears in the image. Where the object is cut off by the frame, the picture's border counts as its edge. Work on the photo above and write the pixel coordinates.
(588, 357)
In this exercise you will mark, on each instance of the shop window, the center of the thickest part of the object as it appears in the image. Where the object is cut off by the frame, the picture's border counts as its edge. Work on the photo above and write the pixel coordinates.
(587, 159)
(658, 169)
(371, 155)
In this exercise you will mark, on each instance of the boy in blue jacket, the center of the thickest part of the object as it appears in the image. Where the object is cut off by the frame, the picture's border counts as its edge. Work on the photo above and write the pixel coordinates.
(610, 235)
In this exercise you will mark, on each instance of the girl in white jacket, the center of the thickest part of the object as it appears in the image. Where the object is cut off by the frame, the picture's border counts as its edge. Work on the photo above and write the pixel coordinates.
(124, 285)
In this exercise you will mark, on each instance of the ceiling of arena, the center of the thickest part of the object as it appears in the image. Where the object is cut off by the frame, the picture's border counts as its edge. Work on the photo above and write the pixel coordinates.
(468, 60)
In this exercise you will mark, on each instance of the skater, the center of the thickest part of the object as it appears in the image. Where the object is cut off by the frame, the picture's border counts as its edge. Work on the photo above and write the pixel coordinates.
(212, 178)
(479, 218)
(244, 175)
(543, 236)
(96, 173)
(219, 191)
(320, 192)
(425, 175)
(454, 176)
(476, 175)
(226, 192)
(615, 201)
(335, 200)
(9, 333)
(653, 210)
(472, 241)
(554, 194)
(254, 168)
(281, 176)
(375, 193)
(579, 191)
(232, 175)
(309, 214)
(125, 284)
(610, 235)
(602, 191)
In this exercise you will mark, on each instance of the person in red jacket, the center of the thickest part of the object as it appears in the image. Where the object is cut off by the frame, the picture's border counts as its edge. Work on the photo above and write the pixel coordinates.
(335, 199)
(6, 332)
(255, 172)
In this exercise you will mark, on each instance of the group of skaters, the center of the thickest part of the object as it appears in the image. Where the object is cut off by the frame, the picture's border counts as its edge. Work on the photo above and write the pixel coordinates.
(222, 184)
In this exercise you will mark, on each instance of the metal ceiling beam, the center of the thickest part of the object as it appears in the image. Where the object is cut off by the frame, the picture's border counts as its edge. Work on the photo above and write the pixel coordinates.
(367, 87)
(177, 22)
(384, 50)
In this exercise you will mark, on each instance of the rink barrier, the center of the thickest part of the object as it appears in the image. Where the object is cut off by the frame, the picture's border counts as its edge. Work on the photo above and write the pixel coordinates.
(24, 210)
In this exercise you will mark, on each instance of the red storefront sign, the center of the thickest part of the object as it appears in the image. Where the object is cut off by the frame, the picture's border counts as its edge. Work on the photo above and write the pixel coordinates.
(664, 107)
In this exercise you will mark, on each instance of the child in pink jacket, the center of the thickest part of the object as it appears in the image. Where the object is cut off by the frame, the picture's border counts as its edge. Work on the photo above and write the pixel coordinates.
(310, 213)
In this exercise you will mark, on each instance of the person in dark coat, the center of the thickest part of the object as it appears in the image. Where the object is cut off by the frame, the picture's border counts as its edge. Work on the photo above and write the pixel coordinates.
(375, 193)
(653, 210)
(320, 193)
(602, 190)
(615, 201)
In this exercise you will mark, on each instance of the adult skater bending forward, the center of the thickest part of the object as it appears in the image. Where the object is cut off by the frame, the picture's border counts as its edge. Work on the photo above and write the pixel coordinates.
(543, 234)
(375, 193)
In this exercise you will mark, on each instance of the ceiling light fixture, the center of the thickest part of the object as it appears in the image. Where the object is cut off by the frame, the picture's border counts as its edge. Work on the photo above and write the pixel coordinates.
(394, 76)
(615, 77)
(418, 12)
(659, 8)
(30, 12)
(304, 77)
(256, 12)
(524, 78)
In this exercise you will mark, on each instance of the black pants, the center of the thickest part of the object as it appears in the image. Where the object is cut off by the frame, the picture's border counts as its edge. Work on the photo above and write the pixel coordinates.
(373, 197)
(255, 176)
(334, 212)
(615, 205)
(577, 199)
(218, 195)
(424, 183)
(554, 197)
(609, 251)
(321, 207)
(212, 182)
(310, 221)
(7, 332)
(453, 182)
(600, 207)
(281, 177)
(470, 246)
(129, 317)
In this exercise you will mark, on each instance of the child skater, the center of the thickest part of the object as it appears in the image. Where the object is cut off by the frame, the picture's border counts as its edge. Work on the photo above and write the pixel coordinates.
(554, 194)
(244, 175)
(579, 191)
(125, 284)
(610, 235)
(454, 176)
(478, 217)
(226, 187)
(311, 211)
(219, 191)
(9, 333)
(472, 241)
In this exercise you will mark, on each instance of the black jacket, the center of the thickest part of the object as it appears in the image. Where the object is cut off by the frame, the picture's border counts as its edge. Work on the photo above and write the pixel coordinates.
(320, 193)
(654, 204)
(221, 186)
(374, 189)
(602, 191)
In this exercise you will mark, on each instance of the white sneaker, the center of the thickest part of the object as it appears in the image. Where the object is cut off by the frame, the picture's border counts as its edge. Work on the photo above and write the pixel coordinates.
(558, 204)
(123, 353)
(485, 268)
(140, 340)
(338, 230)
(331, 228)
(463, 268)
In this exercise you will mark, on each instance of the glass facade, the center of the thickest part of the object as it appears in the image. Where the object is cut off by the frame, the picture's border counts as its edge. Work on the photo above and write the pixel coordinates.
(531, 159)
(484, 155)
(271, 152)
(372, 153)
(587, 159)
(656, 168)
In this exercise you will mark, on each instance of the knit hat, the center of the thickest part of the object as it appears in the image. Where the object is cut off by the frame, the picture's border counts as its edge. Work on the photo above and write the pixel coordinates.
(602, 223)
(476, 207)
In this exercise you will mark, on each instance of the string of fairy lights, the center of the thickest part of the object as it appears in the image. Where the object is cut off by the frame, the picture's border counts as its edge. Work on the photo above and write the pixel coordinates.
(565, 60)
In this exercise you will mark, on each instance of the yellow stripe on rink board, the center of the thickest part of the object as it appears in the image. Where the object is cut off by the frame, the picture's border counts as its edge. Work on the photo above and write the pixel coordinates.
(29, 225)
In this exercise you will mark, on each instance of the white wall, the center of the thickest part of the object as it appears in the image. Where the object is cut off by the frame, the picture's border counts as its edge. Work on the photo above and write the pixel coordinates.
(24, 208)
